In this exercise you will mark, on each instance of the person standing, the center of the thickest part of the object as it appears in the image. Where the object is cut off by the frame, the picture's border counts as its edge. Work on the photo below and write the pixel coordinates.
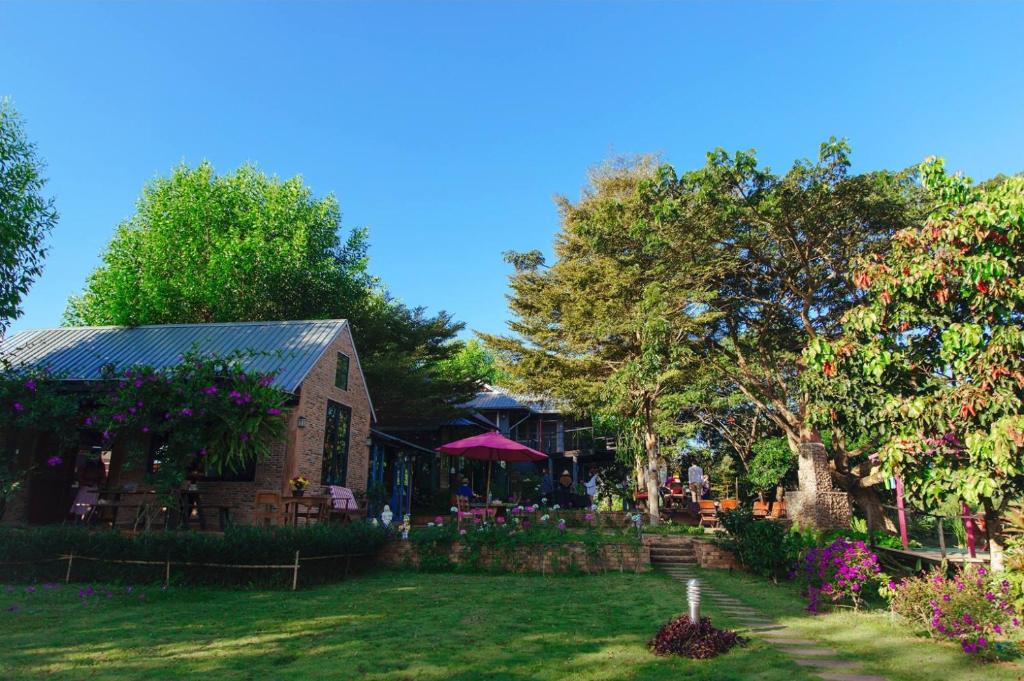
(591, 487)
(547, 486)
(695, 480)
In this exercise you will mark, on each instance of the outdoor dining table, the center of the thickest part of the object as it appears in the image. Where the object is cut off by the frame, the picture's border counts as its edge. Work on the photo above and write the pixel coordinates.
(306, 507)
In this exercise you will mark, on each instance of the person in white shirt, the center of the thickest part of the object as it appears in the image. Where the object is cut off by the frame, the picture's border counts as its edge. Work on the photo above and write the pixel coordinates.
(695, 479)
(591, 486)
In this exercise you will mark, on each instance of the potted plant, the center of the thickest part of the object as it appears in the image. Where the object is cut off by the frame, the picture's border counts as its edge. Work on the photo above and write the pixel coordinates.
(299, 485)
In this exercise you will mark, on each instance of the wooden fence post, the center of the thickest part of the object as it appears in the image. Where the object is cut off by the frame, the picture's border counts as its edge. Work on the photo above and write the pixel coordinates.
(67, 575)
(295, 573)
(942, 540)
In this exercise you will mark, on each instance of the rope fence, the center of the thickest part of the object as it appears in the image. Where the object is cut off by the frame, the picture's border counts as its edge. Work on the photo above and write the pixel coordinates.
(294, 566)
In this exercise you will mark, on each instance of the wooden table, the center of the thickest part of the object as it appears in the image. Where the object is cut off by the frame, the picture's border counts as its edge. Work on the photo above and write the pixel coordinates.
(306, 507)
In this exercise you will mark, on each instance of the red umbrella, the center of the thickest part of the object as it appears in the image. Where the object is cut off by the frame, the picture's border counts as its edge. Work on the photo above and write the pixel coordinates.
(491, 447)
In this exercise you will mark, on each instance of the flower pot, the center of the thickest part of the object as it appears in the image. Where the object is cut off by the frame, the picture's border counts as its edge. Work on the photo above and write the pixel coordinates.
(298, 492)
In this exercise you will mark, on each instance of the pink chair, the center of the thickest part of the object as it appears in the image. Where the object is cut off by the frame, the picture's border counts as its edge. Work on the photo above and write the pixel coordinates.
(343, 503)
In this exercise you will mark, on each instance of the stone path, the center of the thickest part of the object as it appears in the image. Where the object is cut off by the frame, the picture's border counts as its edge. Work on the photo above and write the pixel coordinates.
(804, 652)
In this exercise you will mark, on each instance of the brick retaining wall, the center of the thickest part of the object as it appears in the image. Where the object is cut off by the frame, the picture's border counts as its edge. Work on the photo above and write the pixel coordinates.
(555, 558)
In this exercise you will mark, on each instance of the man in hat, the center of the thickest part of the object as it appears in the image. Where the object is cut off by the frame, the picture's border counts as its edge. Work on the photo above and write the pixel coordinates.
(565, 489)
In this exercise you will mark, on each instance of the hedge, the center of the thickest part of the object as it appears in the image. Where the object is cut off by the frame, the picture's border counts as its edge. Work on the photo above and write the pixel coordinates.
(32, 554)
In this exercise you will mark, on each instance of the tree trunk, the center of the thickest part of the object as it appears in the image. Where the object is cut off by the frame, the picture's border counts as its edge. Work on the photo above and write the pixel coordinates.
(653, 500)
(996, 535)
(869, 501)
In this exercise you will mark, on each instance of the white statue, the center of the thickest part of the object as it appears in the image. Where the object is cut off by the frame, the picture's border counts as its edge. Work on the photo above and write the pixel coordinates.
(386, 516)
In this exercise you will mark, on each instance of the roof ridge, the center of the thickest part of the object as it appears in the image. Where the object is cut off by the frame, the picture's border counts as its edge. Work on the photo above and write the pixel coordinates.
(280, 322)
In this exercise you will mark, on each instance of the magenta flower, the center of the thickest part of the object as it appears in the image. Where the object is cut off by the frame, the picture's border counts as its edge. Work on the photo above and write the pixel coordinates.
(274, 411)
(210, 390)
(500, 520)
(439, 520)
(54, 461)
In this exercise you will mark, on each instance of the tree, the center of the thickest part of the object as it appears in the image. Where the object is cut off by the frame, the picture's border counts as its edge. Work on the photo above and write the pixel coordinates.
(203, 247)
(930, 365)
(602, 326)
(26, 216)
(775, 252)
(772, 463)
(473, 362)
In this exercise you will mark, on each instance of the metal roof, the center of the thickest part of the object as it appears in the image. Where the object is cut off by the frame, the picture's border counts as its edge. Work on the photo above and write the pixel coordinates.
(499, 398)
(79, 353)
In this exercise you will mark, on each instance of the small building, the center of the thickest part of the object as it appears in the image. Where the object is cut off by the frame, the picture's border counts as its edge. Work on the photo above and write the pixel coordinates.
(315, 362)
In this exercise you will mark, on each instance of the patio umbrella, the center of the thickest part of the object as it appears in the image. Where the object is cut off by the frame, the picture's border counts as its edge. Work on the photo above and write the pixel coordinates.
(491, 447)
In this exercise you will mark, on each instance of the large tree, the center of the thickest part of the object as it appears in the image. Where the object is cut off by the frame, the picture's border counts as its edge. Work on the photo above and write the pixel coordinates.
(26, 216)
(602, 326)
(203, 247)
(931, 365)
(776, 251)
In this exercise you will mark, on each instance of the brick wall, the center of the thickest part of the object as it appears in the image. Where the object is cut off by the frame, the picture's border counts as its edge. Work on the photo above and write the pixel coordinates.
(543, 559)
(303, 450)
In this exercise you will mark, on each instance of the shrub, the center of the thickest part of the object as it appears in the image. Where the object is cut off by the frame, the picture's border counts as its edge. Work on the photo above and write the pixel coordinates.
(971, 607)
(765, 547)
(698, 641)
(34, 551)
(839, 571)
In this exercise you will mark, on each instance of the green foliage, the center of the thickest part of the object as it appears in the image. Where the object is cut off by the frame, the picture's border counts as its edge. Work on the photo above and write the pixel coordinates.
(203, 247)
(31, 400)
(501, 548)
(26, 216)
(765, 547)
(931, 364)
(205, 411)
(772, 463)
(473, 362)
(35, 549)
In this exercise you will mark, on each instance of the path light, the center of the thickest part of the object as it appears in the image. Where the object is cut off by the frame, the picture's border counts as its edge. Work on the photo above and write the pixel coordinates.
(693, 599)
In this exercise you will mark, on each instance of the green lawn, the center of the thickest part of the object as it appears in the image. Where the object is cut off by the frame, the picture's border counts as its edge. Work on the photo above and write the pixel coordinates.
(411, 626)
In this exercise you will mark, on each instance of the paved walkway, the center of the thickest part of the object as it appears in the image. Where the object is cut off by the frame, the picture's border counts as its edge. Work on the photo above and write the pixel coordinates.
(804, 652)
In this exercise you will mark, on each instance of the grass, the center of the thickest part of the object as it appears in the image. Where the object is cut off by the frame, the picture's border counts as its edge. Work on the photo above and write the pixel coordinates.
(880, 643)
(398, 626)
(393, 626)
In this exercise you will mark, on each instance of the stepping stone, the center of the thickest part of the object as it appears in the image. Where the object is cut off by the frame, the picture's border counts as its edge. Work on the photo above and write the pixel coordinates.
(770, 628)
(827, 664)
(809, 652)
(781, 640)
(850, 676)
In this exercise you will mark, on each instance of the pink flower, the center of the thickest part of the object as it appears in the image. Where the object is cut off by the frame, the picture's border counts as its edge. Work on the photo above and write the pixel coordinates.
(462, 532)
(500, 520)
(439, 520)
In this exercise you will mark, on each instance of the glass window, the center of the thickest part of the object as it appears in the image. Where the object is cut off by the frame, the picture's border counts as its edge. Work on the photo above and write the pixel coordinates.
(341, 372)
(336, 437)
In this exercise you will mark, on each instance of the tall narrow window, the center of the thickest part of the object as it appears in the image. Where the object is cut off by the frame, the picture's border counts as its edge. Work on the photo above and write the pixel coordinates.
(336, 437)
(341, 372)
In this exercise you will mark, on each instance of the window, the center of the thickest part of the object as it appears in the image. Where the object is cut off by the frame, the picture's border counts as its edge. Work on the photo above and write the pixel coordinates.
(341, 372)
(336, 437)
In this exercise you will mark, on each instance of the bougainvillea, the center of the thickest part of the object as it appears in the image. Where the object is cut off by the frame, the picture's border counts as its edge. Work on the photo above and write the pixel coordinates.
(930, 366)
(698, 641)
(972, 607)
(205, 412)
(838, 572)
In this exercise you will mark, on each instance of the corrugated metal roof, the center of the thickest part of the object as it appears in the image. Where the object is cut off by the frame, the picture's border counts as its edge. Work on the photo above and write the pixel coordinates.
(499, 398)
(79, 353)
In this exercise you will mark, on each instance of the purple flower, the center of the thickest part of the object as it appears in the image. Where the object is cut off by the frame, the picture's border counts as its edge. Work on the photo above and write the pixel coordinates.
(30, 385)
(30, 589)
(186, 412)
(54, 461)
(88, 420)
(244, 437)
(202, 452)
(274, 411)
(145, 429)
(13, 608)
(18, 406)
(210, 390)
(500, 520)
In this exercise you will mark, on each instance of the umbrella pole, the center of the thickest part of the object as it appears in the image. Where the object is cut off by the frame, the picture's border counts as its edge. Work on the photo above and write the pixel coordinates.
(489, 464)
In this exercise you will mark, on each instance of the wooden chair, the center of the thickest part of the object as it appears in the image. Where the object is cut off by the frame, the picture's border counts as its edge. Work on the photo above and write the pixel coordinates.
(463, 512)
(308, 510)
(778, 510)
(708, 513)
(268, 509)
(760, 510)
(729, 505)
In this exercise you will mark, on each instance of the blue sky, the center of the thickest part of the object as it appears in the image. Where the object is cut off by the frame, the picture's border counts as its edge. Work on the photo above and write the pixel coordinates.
(445, 128)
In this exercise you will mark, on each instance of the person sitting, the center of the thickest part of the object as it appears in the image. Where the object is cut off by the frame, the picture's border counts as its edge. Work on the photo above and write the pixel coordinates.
(465, 491)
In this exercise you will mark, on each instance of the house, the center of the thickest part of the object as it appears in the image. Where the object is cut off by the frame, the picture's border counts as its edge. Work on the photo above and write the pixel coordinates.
(330, 412)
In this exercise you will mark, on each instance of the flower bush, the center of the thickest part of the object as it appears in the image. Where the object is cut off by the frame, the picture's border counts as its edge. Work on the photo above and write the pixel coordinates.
(206, 412)
(839, 571)
(972, 607)
(698, 640)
